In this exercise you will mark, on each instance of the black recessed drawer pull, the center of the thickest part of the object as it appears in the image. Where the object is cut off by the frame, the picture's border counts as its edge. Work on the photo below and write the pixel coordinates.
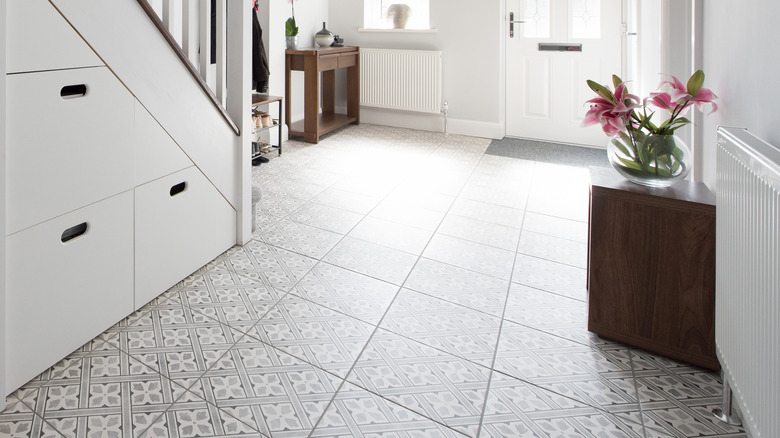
(73, 232)
(73, 91)
(178, 188)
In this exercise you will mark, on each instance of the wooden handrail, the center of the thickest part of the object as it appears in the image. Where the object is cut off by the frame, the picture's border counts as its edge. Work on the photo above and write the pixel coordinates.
(187, 63)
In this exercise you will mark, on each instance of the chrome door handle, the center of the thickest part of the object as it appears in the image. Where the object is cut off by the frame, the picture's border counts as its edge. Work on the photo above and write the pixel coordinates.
(512, 22)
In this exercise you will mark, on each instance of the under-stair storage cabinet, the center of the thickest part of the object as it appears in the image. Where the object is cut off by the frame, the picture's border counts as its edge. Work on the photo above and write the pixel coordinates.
(40, 39)
(104, 210)
(68, 142)
(181, 222)
(68, 279)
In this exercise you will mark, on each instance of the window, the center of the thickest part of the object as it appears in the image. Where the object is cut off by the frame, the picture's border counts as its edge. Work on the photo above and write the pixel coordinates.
(375, 14)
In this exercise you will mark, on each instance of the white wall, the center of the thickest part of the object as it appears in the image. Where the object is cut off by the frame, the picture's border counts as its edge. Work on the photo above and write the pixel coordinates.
(469, 35)
(2, 203)
(741, 61)
(309, 15)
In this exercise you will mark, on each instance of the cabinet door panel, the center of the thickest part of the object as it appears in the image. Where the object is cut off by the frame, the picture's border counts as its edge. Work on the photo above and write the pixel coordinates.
(69, 142)
(180, 226)
(69, 279)
(40, 39)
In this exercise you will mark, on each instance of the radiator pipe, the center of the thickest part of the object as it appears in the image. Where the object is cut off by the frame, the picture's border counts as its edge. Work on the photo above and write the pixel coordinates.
(726, 413)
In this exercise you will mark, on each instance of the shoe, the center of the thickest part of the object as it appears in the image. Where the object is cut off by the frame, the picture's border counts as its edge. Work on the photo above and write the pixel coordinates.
(259, 160)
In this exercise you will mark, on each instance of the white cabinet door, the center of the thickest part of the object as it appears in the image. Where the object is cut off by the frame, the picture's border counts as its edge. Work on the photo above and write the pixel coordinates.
(69, 279)
(181, 223)
(40, 39)
(69, 142)
(156, 154)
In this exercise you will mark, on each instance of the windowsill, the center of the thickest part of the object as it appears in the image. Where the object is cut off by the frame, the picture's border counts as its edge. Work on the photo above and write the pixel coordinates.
(363, 29)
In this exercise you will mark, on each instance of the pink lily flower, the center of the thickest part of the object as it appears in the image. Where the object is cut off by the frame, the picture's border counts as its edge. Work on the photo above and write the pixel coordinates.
(612, 114)
(678, 95)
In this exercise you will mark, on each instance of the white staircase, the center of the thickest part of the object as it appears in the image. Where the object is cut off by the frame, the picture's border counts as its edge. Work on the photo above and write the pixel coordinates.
(124, 173)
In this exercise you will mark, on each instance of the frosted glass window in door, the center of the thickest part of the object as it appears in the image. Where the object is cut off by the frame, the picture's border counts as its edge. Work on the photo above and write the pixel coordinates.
(536, 15)
(585, 18)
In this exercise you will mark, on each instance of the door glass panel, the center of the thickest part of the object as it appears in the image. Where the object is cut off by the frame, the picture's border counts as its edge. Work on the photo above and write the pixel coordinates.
(585, 18)
(537, 19)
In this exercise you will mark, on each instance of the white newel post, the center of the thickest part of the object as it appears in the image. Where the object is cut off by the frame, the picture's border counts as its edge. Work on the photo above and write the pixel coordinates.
(238, 80)
(2, 202)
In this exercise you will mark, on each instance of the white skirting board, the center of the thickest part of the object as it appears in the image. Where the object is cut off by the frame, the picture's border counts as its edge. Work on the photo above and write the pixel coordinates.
(431, 122)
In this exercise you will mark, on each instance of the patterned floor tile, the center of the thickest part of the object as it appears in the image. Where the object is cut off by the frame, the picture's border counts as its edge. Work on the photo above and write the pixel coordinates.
(260, 263)
(18, 419)
(346, 200)
(491, 213)
(371, 259)
(328, 218)
(443, 325)
(392, 235)
(376, 187)
(556, 227)
(598, 377)
(316, 334)
(445, 175)
(353, 294)
(199, 419)
(471, 289)
(473, 230)
(268, 390)
(302, 239)
(554, 249)
(416, 197)
(550, 276)
(517, 409)
(430, 382)
(277, 206)
(513, 194)
(178, 342)
(357, 412)
(677, 399)
(472, 256)
(408, 214)
(238, 307)
(549, 312)
(101, 393)
(560, 191)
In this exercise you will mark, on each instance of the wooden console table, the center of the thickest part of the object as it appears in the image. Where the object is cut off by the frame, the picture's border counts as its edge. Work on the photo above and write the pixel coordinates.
(651, 266)
(312, 62)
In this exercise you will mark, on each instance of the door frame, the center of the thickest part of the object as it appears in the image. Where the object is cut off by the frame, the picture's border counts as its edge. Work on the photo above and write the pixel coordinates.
(671, 27)
(503, 28)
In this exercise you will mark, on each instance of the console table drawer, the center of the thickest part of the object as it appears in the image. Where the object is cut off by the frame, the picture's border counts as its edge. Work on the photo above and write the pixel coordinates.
(329, 62)
(348, 60)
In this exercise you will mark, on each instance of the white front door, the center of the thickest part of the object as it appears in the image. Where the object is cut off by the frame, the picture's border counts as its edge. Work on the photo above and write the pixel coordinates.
(557, 47)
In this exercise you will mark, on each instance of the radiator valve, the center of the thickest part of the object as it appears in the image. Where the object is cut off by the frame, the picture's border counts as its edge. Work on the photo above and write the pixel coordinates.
(445, 107)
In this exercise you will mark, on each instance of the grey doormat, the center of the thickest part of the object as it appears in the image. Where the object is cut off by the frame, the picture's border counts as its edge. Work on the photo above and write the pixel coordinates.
(556, 153)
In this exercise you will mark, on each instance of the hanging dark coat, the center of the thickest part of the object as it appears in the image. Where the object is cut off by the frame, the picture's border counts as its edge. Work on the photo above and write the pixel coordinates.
(259, 57)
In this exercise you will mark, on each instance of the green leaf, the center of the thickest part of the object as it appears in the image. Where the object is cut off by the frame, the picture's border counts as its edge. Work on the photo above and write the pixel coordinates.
(616, 80)
(633, 165)
(290, 28)
(695, 83)
(620, 145)
(601, 90)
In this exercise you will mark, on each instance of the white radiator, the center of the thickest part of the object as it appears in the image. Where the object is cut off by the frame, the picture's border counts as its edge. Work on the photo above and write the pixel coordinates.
(747, 330)
(408, 80)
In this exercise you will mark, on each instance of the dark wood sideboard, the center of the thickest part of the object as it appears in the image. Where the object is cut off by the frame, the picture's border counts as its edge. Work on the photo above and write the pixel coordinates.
(651, 267)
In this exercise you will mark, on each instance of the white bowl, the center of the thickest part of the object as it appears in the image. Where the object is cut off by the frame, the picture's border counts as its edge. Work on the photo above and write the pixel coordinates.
(324, 41)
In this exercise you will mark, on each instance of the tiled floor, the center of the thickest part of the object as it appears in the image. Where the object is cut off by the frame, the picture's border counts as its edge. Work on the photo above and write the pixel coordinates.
(401, 283)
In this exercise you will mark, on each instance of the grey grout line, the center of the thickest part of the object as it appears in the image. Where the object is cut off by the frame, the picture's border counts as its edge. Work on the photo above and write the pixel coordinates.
(636, 390)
